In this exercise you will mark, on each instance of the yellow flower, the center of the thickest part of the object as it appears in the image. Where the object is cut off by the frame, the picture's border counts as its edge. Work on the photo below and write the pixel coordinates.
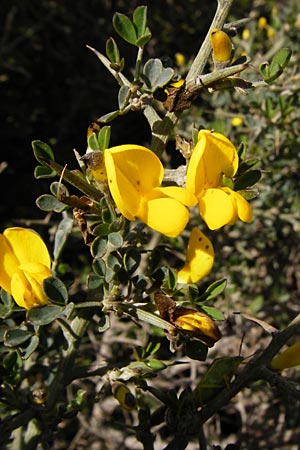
(199, 258)
(262, 22)
(288, 358)
(24, 264)
(236, 121)
(134, 175)
(214, 156)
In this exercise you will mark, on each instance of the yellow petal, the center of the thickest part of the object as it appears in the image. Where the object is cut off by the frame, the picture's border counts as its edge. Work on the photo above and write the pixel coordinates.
(165, 215)
(184, 196)
(213, 156)
(217, 208)
(20, 290)
(8, 263)
(243, 208)
(199, 258)
(288, 358)
(27, 246)
(132, 172)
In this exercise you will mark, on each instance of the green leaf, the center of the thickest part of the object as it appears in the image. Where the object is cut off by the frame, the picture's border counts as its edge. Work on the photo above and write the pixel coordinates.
(44, 172)
(47, 202)
(247, 179)
(123, 97)
(99, 267)
(155, 75)
(99, 247)
(281, 59)
(115, 240)
(213, 290)
(144, 39)
(140, 20)
(55, 290)
(45, 314)
(112, 51)
(104, 137)
(41, 149)
(109, 117)
(125, 28)
(62, 232)
(212, 312)
(93, 142)
(132, 259)
(34, 343)
(16, 337)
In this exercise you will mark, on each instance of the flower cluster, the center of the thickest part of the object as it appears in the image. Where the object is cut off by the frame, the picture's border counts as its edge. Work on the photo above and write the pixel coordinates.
(134, 175)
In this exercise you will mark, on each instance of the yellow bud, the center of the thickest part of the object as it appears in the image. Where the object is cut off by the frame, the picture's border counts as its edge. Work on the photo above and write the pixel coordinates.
(124, 396)
(236, 121)
(246, 34)
(288, 358)
(221, 45)
(262, 22)
(180, 59)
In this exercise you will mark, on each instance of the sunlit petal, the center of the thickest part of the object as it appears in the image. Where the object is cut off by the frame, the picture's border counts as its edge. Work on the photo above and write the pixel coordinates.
(217, 208)
(243, 207)
(165, 215)
(8, 263)
(199, 258)
(27, 246)
(184, 196)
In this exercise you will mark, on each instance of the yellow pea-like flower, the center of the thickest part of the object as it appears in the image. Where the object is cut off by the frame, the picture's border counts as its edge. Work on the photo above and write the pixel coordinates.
(24, 265)
(222, 48)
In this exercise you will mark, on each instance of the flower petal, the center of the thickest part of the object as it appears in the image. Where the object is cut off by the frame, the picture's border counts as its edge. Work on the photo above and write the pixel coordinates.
(20, 290)
(243, 208)
(199, 258)
(213, 156)
(8, 263)
(132, 172)
(27, 246)
(218, 208)
(184, 196)
(165, 215)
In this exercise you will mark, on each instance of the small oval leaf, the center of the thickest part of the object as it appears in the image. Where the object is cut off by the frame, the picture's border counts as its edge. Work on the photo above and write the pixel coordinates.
(16, 337)
(44, 314)
(55, 290)
(125, 28)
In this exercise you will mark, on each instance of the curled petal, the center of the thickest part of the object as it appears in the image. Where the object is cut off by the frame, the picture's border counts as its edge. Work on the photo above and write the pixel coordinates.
(132, 171)
(217, 208)
(199, 258)
(26, 285)
(184, 196)
(165, 215)
(213, 156)
(244, 210)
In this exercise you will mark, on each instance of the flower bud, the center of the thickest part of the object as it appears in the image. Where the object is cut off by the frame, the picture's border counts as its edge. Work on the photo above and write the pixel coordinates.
(124, 396)
(222, 48)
